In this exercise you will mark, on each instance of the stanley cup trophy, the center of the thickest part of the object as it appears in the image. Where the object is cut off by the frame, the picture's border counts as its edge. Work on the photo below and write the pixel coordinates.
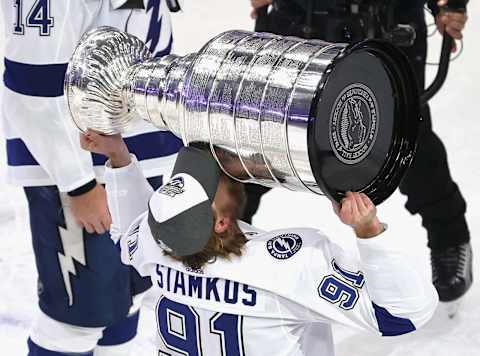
(306, 115)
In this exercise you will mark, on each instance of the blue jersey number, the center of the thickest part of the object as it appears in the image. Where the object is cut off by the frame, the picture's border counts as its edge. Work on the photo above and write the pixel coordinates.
(355, 278)
(343, 291)
(179, 328)
(19, 27)
(38, 16)
(336, 291)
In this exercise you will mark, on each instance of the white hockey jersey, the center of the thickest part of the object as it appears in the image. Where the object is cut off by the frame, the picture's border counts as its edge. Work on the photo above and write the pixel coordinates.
(279, 298)
(40, 36)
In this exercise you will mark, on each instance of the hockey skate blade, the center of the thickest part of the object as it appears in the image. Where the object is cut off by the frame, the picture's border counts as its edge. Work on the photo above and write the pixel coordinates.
(451, 308)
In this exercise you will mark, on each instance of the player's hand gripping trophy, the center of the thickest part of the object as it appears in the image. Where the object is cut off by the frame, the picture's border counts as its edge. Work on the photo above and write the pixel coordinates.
(302, 114)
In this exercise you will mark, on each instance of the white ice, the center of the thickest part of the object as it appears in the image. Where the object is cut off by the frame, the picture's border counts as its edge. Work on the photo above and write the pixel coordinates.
(455, 119)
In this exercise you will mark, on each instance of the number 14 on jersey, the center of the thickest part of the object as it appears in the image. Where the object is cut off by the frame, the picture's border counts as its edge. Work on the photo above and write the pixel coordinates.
(38, 16)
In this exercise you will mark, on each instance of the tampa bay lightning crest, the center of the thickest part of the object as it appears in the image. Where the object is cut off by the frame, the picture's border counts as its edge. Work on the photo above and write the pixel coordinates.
(284, 246)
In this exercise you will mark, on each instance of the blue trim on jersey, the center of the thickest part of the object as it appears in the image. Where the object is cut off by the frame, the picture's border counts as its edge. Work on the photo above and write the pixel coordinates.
(145, 146)
(35, 80)
(390, 325)
(35, 350)
(121, 332)
(18, 154)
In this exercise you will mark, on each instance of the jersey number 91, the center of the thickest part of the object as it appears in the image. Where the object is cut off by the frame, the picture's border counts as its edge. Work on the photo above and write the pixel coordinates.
(341, 288)
(179, 326)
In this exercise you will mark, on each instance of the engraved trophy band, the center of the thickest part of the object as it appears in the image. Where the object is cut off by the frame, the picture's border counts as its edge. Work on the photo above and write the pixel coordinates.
(306, 115)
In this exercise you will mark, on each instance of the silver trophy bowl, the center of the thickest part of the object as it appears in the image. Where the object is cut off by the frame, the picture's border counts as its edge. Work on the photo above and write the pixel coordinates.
(306, 115)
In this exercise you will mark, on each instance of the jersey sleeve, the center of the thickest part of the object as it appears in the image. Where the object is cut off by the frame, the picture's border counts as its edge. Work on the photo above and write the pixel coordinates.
(39, 40)
(433, 6)
(381, 292)
(128, 193)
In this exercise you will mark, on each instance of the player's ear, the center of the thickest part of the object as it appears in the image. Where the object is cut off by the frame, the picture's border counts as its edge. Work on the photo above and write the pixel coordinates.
(222, 223)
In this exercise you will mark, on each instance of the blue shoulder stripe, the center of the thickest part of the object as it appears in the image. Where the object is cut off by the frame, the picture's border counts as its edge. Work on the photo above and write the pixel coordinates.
(145, 146)
(35, 80)
(43, 80)
(390, 325)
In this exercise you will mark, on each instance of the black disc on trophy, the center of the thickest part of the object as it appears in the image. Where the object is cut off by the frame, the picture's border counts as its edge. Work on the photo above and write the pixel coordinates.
(364, 122)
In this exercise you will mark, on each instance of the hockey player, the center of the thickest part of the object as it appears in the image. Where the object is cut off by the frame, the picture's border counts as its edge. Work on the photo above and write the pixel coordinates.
(227, 288)
(85, 293)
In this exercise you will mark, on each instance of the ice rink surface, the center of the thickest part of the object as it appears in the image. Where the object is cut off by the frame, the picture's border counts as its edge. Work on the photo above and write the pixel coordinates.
(455, 119)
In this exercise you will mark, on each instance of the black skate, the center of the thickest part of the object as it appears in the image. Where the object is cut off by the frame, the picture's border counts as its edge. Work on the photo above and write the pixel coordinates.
(452, 271)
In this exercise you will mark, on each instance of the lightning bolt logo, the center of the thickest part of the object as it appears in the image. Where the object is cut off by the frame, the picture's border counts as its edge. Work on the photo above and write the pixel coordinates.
(284, 246)
(284, 243)
(73, 249)
(153, 35)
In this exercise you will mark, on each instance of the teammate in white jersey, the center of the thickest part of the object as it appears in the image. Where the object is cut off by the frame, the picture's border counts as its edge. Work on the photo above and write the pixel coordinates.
(227, 288)
(85, 292)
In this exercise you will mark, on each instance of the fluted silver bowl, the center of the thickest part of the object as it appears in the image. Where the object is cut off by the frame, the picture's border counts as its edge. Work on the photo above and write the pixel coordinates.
(96, 76)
